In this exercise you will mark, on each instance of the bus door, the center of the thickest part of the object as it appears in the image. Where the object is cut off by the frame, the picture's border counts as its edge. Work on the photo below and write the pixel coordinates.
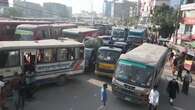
(9, 63)
(29, 60)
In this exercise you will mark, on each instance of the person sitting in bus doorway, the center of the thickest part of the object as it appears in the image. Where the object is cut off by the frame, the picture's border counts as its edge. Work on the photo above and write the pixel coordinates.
(186, 83)
(172, 89)
(104, 95)
(154, 98)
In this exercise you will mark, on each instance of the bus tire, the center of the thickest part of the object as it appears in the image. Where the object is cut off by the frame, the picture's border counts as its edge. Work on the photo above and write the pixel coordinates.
(61, 80)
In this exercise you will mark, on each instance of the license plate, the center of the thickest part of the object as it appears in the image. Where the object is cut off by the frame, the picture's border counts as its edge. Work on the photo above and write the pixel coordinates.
(107, 66)
(127, 99)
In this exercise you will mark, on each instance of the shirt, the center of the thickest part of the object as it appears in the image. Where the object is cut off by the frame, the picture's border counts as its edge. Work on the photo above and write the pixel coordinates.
(1, 85)
(154, 97)
(103, 95)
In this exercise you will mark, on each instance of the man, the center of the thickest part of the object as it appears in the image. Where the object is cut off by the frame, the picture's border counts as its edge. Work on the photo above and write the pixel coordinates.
(104, 94)
(2, 94)
(153, 98)
(180, 65)
(172, 89)
(186, 83)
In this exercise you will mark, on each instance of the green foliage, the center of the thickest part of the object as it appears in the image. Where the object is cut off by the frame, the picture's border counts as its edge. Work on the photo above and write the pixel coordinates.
(13, 12)
(166, 18)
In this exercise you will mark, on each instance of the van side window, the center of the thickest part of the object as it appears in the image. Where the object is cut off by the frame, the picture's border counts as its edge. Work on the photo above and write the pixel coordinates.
(9, 58)
(62, 54)
(46, 56)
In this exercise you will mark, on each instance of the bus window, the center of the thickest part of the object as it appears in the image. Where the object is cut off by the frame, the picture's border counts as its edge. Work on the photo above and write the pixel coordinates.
(81, 51)
(9, 59)
(62, 54)
(71, 53)
(48, 56)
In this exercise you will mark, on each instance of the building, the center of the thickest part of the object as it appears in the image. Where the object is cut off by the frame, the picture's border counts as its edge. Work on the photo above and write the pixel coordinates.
(107, 8)
(3, 5)
(186, 30)
(56, 10)
(147, 7)
(134, 9)
(28, 9)
(121, 9)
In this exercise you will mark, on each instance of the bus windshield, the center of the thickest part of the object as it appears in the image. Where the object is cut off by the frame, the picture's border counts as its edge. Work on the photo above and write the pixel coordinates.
(108, 55)
(23, 34)
(118, 33)
(136, 34)
(134, 73)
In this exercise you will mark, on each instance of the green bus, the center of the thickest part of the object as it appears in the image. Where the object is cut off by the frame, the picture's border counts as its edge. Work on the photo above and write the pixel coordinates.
(138, 71)
(107, 58)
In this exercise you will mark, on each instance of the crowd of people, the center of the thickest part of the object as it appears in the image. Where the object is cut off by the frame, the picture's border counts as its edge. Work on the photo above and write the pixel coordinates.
(19, 88)
(177, 64)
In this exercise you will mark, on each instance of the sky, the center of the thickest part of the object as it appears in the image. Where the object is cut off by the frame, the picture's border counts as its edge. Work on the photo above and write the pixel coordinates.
(78, 5)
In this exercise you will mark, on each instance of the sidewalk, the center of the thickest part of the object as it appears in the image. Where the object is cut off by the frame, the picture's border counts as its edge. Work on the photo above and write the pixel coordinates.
(167, 73)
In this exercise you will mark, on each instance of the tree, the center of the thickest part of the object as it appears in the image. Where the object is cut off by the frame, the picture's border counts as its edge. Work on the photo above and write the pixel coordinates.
(165, 17)
(13, 12)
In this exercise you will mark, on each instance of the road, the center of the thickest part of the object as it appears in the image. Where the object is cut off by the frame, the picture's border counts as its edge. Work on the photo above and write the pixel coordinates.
(82, 93)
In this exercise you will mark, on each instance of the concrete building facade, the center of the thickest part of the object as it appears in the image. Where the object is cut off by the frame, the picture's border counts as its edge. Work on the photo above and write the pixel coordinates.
(186, 30)
(56, 10)
(107, 8)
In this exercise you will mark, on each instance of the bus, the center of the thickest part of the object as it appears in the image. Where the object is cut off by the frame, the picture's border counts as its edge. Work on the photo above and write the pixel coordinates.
(48, 59)
(119, 34)
(8, 27)
(41, 31)
(80, 33)
(107, 58)
(136, 37)
(138, 71)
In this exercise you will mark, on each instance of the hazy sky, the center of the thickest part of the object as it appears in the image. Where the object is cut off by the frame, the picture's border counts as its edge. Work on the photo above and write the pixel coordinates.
(78, 5)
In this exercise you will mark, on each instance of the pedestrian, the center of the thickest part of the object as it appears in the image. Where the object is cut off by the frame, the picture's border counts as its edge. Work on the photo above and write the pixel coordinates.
(174, 67)
(2, 94)
(171, 56)
(104, 94)
(172, 89)
(180, 65)
(15, 90)
(154, 98)
(22, 92)
(186, 83)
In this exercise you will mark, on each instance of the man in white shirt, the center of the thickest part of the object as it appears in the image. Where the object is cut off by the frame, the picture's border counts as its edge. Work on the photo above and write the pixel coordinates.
(153, 98)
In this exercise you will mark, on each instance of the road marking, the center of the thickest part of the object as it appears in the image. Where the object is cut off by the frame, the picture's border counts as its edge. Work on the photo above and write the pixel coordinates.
(98, 83)
(178, 108)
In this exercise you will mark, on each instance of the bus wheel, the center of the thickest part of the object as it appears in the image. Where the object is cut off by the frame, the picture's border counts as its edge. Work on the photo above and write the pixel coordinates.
(61, 80)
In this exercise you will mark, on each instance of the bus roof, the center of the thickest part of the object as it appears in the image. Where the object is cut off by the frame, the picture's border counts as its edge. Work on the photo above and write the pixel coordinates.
(51, 43)
(148, 54)
(78, 30)
(110, 48)
(31, 26)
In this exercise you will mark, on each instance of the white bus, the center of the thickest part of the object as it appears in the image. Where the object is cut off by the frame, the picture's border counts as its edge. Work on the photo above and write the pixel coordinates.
(48, 58)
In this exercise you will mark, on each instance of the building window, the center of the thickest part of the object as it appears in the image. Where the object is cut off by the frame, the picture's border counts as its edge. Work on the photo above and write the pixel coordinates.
(188, 29)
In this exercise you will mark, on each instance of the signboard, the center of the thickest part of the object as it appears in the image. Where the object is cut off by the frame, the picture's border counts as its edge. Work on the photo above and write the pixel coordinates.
(54, 66)
(190, 6)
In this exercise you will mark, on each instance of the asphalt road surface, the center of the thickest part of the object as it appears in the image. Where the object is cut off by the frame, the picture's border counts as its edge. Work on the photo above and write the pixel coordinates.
(83, 93)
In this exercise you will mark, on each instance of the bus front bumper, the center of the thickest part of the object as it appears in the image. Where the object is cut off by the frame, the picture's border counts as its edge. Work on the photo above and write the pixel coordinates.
(103, 74)
(128, 95)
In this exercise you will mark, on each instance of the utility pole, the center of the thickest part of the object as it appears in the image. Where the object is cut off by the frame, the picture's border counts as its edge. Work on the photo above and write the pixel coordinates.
(177, 21)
